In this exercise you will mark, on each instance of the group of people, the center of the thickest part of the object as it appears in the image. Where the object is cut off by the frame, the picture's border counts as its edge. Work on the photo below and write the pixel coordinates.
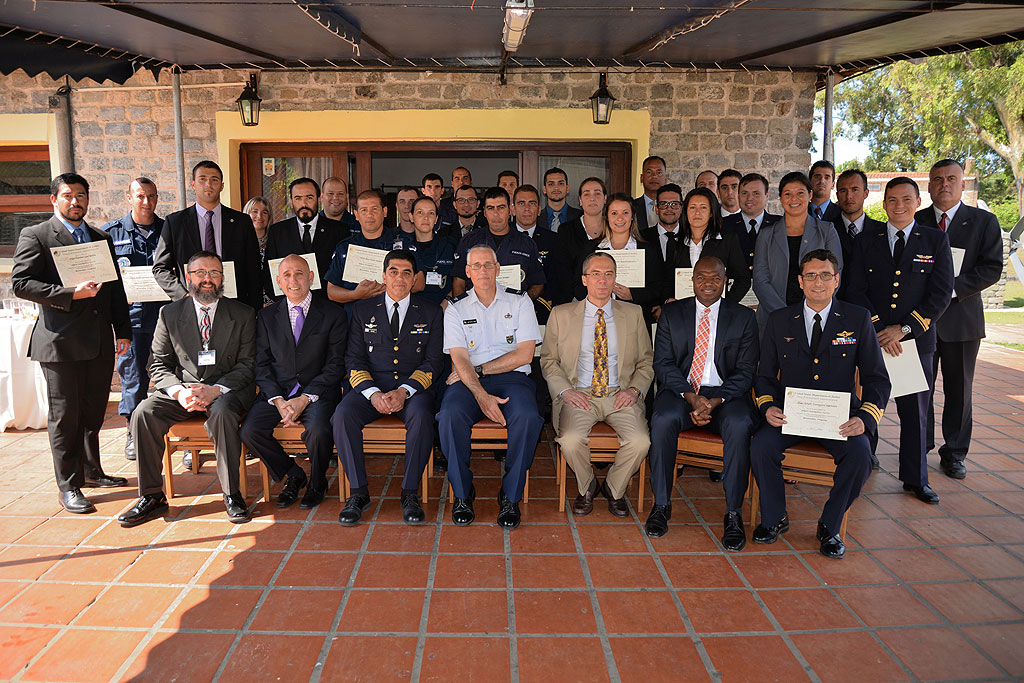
(472, 285)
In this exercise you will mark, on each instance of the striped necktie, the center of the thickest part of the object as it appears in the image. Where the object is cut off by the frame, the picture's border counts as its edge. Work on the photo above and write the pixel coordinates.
(700, 353)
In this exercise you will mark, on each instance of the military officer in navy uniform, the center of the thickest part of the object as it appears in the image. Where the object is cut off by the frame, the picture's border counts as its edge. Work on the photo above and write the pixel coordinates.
(135, 238)
(851, 191)
(820, 343)
(394, 356)
(903, 274)
(435, 255)
(491, 333)
(525, 208)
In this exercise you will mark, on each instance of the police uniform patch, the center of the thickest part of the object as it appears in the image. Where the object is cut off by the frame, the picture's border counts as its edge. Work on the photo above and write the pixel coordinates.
(124, 262)
(510, 339)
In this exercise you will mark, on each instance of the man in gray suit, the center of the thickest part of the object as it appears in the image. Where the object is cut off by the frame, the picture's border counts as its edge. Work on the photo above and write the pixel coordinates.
(202, 361)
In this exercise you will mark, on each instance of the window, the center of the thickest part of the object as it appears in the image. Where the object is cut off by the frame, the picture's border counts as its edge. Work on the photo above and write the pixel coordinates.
(24, 191)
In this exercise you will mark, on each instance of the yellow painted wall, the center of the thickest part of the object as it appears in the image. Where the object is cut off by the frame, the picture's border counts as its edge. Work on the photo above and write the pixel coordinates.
(452, 125)
(31, 129)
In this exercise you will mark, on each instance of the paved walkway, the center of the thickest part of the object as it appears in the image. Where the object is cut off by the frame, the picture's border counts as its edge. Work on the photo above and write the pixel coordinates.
(1004, 333)
(925, 592)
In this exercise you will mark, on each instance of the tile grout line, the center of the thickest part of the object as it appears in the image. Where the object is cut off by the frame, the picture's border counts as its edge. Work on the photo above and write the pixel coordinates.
(510, 606)
(421, 633)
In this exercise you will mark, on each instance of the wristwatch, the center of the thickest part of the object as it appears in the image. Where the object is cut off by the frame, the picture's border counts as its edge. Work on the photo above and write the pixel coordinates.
(479, 370)
(906, 330)
(407, 394)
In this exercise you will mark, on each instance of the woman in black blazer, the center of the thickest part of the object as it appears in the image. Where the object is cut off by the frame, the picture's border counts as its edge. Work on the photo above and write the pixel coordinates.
(574, 238)
(700, 233)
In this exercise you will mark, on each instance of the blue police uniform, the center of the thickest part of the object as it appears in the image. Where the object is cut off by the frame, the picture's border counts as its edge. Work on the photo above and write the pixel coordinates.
(133, 248)
(435, 259)
(389, 239)
(377, 361)
(489, 332)
(911, 293)
(515, 248)
(848, 344)
(546, 242)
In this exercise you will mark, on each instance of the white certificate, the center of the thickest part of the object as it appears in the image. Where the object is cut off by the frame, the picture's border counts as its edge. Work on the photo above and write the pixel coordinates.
(78, 263)
(958, 260)
(684, 283)
(750, 299)
(230, 286)
(815, 413)
(140, 285)
(310, 260)
(364, 263)
(511, 276)
(630, 266)
(905, 371)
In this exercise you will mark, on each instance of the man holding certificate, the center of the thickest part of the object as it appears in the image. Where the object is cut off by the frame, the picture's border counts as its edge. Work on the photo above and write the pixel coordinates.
(817, 345)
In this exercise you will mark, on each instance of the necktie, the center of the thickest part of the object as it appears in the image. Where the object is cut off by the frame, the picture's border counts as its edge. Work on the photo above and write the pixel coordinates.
(753, 228)
(942, 223)
(394, 322)
(652, 216)
(599, 383)
(816, 334)
(670, 248)
(556, 220)
(817, 212)
(852, 230)
(80, 235)
(300, 320)
(209, 241)
(897, 250)
(700, 353)
(204, 327)
(307, 239)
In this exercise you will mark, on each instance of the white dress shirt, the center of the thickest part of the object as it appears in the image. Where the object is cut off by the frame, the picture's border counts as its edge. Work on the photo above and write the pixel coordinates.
(949, 214)
(403, 309)
(173, 390)
(529, 231)
(710, 378)
(696, 247)
(663, 240)
(892, 230)
(858, 224)
(585, 361)
(726, 213)
(217, 238)
(758, 222)
(809, 319)
(311, 224)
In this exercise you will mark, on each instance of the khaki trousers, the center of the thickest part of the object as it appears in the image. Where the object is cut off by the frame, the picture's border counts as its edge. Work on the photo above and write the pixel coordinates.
(573, 436)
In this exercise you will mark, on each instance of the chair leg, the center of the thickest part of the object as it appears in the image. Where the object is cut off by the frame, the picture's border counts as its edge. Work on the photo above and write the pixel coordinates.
(243, 481)
(526, 488)
(195, 461)
(755, 501)
(425, 478)
(560, 471)
(451, 494)
(430, 463)
(344, 486)
(168, 475)
(842, 527)
(265, 476)
(640, 486)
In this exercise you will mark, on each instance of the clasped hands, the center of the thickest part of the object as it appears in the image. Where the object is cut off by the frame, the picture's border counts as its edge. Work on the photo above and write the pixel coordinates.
(889, 339)
(702, 407)
(390, 402)
(291, 409)
(197, 397)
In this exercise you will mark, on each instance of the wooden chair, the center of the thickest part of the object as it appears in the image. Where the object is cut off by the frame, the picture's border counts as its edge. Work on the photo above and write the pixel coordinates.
(604, 444)
(489, 436)
(190, 435)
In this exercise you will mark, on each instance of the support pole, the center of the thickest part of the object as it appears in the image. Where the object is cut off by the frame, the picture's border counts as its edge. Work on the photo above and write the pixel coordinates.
(60, 104)
(829, 147)
(179, 144)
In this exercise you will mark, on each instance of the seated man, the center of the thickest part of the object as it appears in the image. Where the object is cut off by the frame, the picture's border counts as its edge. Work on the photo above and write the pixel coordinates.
(300, 364)
(595, 375)
(705, 355)
(819, 343)
(491, 334)
(201, 363)
(394, 354)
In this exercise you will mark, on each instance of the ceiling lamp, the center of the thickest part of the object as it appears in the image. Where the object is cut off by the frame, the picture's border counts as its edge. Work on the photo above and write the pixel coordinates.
(517, 18)
(249, 101)
(602, 101)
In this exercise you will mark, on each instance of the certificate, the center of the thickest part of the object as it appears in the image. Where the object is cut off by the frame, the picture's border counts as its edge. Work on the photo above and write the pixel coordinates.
(511, 276)
(230, 286)
(815, 413)
(630, 268)
(310, 261)
(750, 299)
(684, 283)
(364, 263)
(958, 260)
(905, 371)
(78, 263)
(140, 285)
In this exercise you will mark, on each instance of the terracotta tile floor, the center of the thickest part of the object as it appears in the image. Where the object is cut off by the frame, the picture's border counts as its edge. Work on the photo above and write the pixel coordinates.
(925, 592)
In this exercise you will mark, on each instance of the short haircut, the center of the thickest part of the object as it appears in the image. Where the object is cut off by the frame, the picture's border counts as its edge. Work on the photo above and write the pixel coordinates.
(497, 193)
(408, 188)
(508, 174)
(819, 255)
(303, 181)
(370, 194)
(554, 170)
(525, 188)
(942, 163)
(755, 178)
(142, 180)
(400, 255)
(822, 163)
(794, 177)
(598, 254)
(594, 179)
(482, 247)
(850, 173)
(696, 178)
(422, 198)
(654, 157)
(714, 260)
(202, 253)
(206, 163)
(68, 179)
(335, 179)
(730, 173)
(669, 187)
(464, 188)
(431, 176)
(902, 180)
(462, 168)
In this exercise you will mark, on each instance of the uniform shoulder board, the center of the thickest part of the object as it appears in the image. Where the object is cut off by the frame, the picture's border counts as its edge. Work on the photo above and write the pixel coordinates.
(519, 292)
(460, 297)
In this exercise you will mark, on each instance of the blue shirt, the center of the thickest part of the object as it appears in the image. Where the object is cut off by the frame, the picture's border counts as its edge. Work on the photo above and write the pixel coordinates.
(436, 262)
(388, 240)
(516, 248)
(72, 228)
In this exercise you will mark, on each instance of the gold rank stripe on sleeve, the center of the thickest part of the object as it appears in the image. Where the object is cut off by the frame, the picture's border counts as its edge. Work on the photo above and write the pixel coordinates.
(761, 400)
(924, 322)
(874, 318)
(424, 378)
(872, 410)
(357, 377)
(544, 302)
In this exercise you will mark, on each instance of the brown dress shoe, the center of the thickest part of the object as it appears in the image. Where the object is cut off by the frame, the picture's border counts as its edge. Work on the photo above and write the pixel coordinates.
(584, 503)
(616, 506)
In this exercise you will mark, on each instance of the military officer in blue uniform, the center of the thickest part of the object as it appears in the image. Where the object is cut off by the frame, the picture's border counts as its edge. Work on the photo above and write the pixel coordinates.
(135, 238)
(435, 255)
(819, 343)
(491, 333)
(903, 274)
(525, 208)
(394, 356)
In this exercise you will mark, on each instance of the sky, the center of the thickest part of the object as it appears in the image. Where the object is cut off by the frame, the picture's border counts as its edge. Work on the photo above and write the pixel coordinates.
(846, 148)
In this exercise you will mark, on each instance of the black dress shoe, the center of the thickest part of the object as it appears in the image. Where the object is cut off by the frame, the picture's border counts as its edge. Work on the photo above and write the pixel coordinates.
(353, 510)
(584, 503)
(290, 493)
(312, 498)
(508, 512)
(462, 511)
(238, 510)
(716, 475)
(412, 511)
(766, 535)
(657, 521)
(923, 493)
(74, 501)
(616, 506)
(186, 460)
(831, 544)
(874, 462)
(734, 538)
(954, 469)
(102, 481)
(146, 508)
(129, 447)
(440, 462)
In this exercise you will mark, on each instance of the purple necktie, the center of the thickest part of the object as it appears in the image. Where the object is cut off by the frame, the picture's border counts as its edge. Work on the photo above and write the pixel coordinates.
(210, 240)
(300, 319)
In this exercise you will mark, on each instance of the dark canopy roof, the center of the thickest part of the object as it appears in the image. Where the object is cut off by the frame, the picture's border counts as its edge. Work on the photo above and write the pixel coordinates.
(110, 39)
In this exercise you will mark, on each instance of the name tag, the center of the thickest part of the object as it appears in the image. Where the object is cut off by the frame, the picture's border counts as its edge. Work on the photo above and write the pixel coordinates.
(207, 358)
(434, 279)
(471, 321)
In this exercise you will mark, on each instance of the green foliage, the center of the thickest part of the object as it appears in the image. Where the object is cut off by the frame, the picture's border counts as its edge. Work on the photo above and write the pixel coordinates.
(1006, 212)
(876, 211)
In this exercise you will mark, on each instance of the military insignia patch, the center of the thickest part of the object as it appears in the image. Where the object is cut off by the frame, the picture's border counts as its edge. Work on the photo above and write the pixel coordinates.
(510, 339)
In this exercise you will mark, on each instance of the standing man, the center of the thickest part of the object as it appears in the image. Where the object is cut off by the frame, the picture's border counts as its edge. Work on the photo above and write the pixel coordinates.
(433, 186)
(203, 350)
(823, 179)
(851, 192)
(729, 191)
(665, 231)
(491, 334)
(752, 216)
(708, 179)
(903, 274)
(80, 327)
(558, 211)
(509, 181)
(394, 355)
(525, 208)
(135, 237)
(976, 235)
(460, 178)
(336, 204)
(705, 357)
(406, 195)
(820, 343)
(300, 365)
(653, 175)
(467, 218)
(596, 358)
(306, 232)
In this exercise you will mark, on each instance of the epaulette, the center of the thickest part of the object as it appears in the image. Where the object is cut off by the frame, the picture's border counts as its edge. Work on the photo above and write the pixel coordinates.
(460, 297)
(510, 290)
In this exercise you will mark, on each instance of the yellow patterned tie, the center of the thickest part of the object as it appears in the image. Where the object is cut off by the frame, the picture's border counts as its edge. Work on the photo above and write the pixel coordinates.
(599, 384)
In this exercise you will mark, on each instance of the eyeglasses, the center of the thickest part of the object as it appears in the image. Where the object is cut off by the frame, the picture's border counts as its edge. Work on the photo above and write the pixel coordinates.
(204, 273)
(607, 275)
(482, 266)
(824, 277)
(466, 200)
(669, 205)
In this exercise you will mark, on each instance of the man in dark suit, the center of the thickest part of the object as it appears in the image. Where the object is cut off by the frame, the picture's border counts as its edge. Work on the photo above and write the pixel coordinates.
(976, 235)
(665, 232)
(823, 179)
(729, 191)
(752, 216)
(525, 208)
(653, 174)
(335, 204)
(394, 356)
(705, 355)
(851, 191)
(304, 233)
(820, 343)
(558, 211)
(467, 216)
(447, 212)
(300, 365)
(202, 363)
(903, 274)
(211, 226)
(73, 340)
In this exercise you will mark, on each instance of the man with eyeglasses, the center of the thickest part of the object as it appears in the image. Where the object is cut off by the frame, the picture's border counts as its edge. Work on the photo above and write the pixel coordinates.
(467, 218)
(203, 356)
(668, 207)
(820, 343)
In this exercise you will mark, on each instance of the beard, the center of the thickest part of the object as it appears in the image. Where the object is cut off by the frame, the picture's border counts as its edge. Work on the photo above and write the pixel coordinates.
(305, 214)
(205, 296)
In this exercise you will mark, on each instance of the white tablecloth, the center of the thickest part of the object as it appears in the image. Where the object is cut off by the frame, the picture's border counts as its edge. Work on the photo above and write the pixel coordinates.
(23, 403)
